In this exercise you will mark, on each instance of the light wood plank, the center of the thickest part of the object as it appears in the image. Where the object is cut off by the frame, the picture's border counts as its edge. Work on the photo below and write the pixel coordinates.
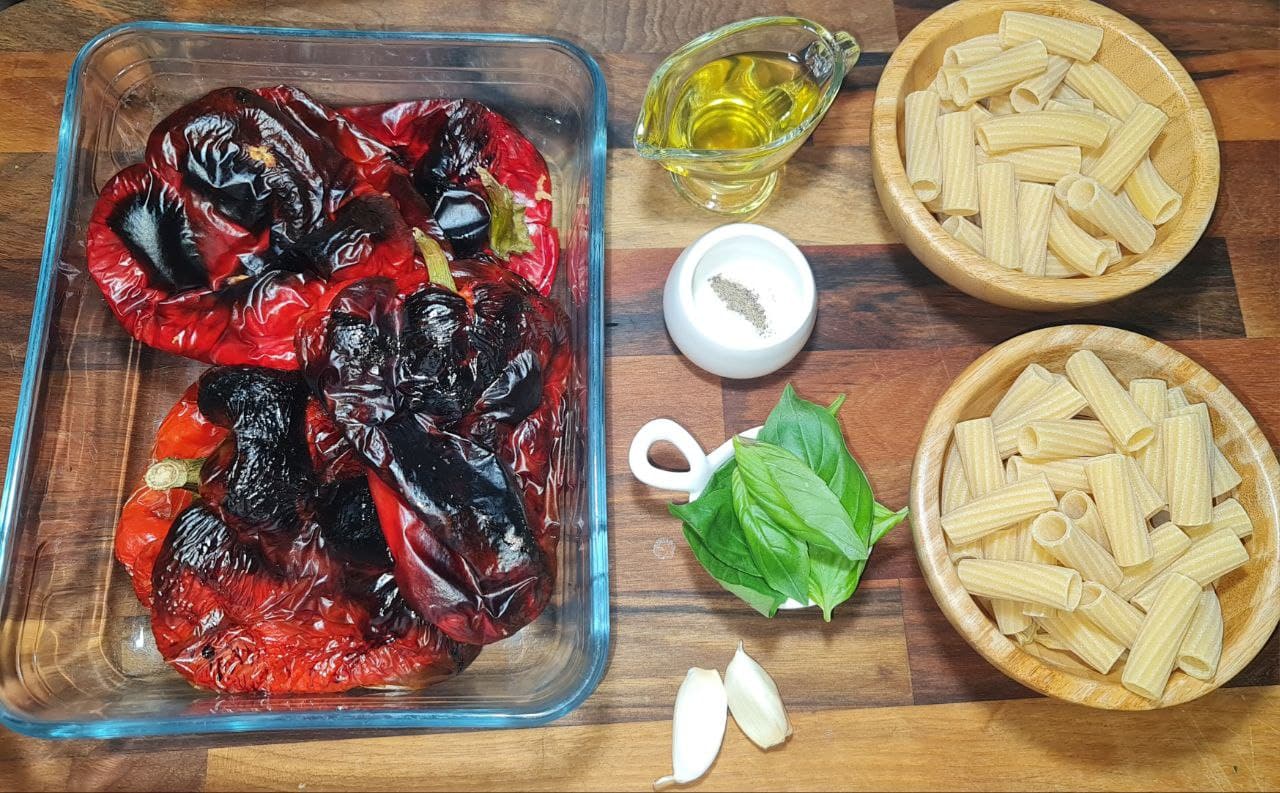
(1217, 743)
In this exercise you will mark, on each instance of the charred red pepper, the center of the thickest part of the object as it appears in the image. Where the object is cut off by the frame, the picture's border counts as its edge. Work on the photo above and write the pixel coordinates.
(276, 576)
(456, 400)
(449, 145)
(240, 221)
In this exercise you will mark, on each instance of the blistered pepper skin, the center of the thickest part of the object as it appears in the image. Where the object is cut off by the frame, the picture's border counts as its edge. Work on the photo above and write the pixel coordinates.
(241, 218)
(443, 142)
(456, 402)
(266, 582)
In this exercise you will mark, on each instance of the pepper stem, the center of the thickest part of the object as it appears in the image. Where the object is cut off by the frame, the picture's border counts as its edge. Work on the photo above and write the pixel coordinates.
(172, 472)
(437, 263)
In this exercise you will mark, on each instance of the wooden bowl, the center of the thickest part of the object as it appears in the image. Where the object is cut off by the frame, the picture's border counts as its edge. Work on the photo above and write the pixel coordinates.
(1250, 596)
(1186, 154)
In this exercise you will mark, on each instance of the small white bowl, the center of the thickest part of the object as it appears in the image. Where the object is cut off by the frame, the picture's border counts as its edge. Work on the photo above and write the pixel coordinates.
(701, 466)
(716, 338)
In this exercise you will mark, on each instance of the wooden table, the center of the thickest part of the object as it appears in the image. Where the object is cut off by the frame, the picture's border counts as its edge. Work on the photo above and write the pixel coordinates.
(886, 695)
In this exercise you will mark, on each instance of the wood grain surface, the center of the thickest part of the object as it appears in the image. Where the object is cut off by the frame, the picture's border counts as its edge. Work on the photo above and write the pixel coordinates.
(887, 695)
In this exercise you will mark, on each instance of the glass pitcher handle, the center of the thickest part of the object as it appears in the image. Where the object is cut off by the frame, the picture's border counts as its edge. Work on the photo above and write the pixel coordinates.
(848, 48)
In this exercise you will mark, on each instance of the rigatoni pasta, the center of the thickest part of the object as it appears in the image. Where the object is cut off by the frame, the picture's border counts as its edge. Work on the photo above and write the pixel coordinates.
(1049, 585)
(965, 231)
(1033, 96)
(924, 156)
(997, 199)
(1188, 479)
(1155, 651)
(1016, 554)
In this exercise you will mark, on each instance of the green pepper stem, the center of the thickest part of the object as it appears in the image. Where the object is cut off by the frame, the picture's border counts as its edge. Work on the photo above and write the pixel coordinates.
(173, 472)
(437, 263)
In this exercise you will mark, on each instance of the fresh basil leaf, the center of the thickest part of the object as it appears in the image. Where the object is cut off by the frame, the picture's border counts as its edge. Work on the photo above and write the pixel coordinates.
(753, 590)
(766, 604)
(811, 432)
(712, 517)
(783, 560)
(832, 579)
(783, 487)
(884, 520)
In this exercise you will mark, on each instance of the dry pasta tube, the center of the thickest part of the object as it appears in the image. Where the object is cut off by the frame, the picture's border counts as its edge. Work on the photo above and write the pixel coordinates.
(1075, 247)
(998, 509)
(1089, 642)
(976, 441)
(1042, 128)
(997, 197)
(1229, 515)
(1094, 81)
(1113, 493)
(1155, 651)
(1127, 146)
(1149, 395)
(1040, 164)
(1151, 194)
(1176, 398)
(965, 231)
(1055, 268)
(959, 169)
(1034, 204)
(1072, 547)
(1029, 384)
(1168, 542)
(1110, 612)
(1208, 559)
(1033, 92)
(1188, 478)
(999, 74)
(972, 51)
(1071, 105)
(1112, 405)
(1061, 400)
(1077, 505)
(924, 155)
(1117, 218)
(1049, 585)
(955, 491)
(1074, 40)
(1059, 439)
(1063, 475)
(1202, 646)
(1149, 499)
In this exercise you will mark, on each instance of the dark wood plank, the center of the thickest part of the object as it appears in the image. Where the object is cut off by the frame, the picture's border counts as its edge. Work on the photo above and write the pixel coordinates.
(881, 297)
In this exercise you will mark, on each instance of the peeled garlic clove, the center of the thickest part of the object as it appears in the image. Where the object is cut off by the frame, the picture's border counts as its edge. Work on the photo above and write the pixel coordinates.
(697, 728)
(755, 702)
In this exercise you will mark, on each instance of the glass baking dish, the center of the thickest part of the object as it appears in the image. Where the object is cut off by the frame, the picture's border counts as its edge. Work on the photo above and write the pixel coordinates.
(77, 659)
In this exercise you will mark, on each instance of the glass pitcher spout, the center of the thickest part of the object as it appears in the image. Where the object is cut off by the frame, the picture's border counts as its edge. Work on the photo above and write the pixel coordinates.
(726, 111)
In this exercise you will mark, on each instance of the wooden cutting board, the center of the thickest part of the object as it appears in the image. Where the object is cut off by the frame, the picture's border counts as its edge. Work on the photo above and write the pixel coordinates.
(886, 695)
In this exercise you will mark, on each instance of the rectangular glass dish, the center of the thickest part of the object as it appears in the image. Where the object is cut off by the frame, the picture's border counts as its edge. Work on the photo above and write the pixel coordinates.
(77, 659)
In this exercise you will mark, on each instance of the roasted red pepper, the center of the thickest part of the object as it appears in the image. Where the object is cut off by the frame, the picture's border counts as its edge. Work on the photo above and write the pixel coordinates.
(446, 143)
(456, 400)
(240, 220)
(276, 577)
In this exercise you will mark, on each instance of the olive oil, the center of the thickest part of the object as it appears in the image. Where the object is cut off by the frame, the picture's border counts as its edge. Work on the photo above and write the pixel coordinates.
(742, 102)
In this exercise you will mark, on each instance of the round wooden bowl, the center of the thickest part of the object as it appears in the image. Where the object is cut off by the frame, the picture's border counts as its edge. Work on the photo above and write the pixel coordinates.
(1250, 596)
(1186, 154)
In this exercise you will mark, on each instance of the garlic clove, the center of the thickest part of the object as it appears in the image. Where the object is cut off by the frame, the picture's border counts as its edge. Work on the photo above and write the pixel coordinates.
(755, 702)
(697, 727)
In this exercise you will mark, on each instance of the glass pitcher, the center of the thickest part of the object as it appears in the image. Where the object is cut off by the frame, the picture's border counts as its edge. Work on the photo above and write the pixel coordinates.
(740, 180)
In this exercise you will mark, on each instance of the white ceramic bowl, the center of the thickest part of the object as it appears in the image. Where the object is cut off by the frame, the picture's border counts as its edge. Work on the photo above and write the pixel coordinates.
(719, 341)
(701, 465)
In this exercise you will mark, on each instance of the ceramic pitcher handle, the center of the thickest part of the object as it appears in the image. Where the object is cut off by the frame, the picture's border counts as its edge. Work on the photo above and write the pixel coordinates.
(667, 430)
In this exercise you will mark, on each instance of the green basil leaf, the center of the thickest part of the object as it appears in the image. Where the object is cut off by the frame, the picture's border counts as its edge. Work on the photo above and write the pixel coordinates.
(811, 432)
(766, 604)
(712, 517)
(783, 560)
(832, 579)
(884, 520)
(795, 498)
(753, 590)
